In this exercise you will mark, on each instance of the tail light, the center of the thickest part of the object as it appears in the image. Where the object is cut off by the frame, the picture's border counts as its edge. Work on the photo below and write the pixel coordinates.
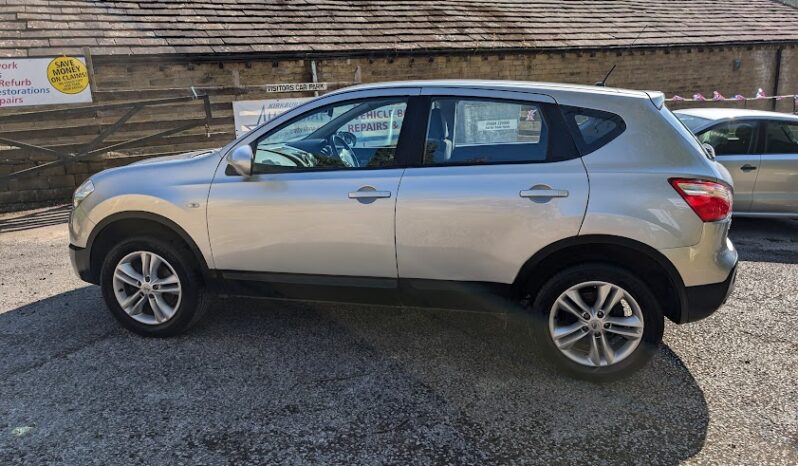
(710, 200)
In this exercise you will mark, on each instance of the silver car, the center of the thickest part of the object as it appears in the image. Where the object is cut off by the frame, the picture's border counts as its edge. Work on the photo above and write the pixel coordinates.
(760, 150)
(591, 210)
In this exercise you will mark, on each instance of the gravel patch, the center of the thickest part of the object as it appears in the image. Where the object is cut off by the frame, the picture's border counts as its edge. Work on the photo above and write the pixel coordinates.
(303, 383)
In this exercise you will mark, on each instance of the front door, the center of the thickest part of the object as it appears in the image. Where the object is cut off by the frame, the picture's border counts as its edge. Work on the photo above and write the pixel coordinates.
(321, 199)
(492, 189)
(776, 188)
(735, 145)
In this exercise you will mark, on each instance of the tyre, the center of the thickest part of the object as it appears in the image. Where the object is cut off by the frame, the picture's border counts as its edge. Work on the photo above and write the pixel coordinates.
(597, 322)
(153, 287)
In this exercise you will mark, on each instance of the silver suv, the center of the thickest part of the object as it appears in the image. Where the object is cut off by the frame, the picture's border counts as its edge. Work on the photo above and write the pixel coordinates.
(592, 210)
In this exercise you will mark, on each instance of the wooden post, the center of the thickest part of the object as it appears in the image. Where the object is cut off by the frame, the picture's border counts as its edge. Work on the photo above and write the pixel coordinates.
(90, 68)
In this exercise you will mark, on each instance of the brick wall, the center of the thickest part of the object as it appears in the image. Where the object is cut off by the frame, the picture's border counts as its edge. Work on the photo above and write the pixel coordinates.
(675, 71)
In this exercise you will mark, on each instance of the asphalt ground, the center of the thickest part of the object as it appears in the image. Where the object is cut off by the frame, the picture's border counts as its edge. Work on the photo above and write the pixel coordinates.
(303, 383)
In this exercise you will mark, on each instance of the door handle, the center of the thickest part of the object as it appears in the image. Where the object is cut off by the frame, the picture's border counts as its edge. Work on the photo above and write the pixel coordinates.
(747, 168)
(542, 193)
(369, 192)
(369, 195)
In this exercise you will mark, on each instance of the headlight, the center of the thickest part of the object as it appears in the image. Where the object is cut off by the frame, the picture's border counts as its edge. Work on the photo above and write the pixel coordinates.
(82, 192)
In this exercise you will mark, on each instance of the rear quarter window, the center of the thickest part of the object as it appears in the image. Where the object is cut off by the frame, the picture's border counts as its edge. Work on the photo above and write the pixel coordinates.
(592, 129)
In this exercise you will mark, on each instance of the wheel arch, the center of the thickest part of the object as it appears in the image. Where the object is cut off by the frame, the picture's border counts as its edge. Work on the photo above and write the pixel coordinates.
(643, 260)
(116, 227)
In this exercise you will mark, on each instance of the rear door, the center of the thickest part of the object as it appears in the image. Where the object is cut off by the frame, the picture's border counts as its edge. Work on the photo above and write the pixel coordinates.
(735, 143)
(499, 179)
(776, 189)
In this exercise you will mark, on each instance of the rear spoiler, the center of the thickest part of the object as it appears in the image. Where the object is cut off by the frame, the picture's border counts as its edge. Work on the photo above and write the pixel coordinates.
(657, 98)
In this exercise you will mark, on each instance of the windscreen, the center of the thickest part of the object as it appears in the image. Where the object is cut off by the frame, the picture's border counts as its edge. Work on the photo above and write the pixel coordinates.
(691, 121)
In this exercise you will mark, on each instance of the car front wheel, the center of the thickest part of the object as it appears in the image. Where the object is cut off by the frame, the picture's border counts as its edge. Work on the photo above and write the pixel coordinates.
(153, 287)
(597, 321)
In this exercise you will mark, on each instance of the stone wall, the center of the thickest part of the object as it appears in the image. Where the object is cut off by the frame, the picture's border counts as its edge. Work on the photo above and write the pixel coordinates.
(681, 71)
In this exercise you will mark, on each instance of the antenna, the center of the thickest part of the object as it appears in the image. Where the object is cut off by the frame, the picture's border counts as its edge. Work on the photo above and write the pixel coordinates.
(603, 82)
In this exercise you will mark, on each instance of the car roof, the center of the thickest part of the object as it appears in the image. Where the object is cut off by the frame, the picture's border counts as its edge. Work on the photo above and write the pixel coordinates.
(526, 86)
(727, 113)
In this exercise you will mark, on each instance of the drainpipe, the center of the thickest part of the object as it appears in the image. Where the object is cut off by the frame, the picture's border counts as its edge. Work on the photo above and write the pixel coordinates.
(777, 76)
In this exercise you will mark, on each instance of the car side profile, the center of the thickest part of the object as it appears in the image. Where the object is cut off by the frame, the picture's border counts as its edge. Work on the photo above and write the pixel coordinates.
(760, 150)
(591, 210)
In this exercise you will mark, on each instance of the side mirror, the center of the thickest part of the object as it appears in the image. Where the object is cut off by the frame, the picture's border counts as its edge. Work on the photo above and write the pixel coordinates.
(710, 150)
(241, 160)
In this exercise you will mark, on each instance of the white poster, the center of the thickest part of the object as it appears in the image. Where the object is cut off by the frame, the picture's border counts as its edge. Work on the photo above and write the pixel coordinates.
(43, 81)
(249, 114)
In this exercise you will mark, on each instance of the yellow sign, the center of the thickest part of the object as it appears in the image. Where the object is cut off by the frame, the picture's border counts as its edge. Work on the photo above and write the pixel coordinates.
(68, 75)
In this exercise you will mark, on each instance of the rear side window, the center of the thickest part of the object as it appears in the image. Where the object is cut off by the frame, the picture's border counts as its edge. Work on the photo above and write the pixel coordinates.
(591, 128)
(485, 131)
(731, 138)
(781, 138)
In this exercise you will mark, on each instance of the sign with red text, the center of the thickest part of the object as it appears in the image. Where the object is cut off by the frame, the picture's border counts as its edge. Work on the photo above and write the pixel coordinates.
(43, 81)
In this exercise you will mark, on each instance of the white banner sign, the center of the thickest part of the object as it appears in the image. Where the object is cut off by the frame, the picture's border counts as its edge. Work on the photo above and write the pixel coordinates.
(249, 114)
(43, 81)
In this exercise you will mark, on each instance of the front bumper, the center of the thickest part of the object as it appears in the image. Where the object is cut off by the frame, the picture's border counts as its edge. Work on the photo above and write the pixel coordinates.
(81, 263)
(704, 300)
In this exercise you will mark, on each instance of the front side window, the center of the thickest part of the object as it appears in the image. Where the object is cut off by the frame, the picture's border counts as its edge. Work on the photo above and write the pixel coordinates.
(781, 138)
(482, 131)
(351, 135)
(731, 138)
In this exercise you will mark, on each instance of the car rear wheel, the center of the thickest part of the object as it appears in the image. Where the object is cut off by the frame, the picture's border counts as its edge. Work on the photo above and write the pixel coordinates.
(153, 287)
(597, 321)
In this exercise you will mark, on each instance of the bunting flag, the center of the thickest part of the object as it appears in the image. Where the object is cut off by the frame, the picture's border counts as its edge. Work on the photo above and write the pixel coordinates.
(718, 97)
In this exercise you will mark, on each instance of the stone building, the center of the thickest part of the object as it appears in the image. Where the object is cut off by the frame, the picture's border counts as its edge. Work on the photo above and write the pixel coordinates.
(232, 49)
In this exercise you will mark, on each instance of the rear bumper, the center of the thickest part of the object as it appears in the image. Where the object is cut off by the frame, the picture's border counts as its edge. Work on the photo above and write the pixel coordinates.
(704, 300)
(81, 263)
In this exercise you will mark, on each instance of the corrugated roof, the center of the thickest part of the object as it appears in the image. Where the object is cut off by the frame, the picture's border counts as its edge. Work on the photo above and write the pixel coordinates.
(145, 27)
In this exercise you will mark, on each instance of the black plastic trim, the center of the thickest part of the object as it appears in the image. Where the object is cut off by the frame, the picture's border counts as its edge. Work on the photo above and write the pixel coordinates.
(444, 294)
(174, 227)
(81, 262)
(308, 287)
(704, 300)
(676, 282)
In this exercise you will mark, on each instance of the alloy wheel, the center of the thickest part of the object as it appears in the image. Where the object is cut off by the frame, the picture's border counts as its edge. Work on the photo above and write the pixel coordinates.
(596, 324)
(147, 287)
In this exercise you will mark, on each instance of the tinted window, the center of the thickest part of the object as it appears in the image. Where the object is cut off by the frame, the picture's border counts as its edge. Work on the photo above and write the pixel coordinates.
(781, 138)
(593, 129)
(351, 135)
(730, 138)
(483, 131)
